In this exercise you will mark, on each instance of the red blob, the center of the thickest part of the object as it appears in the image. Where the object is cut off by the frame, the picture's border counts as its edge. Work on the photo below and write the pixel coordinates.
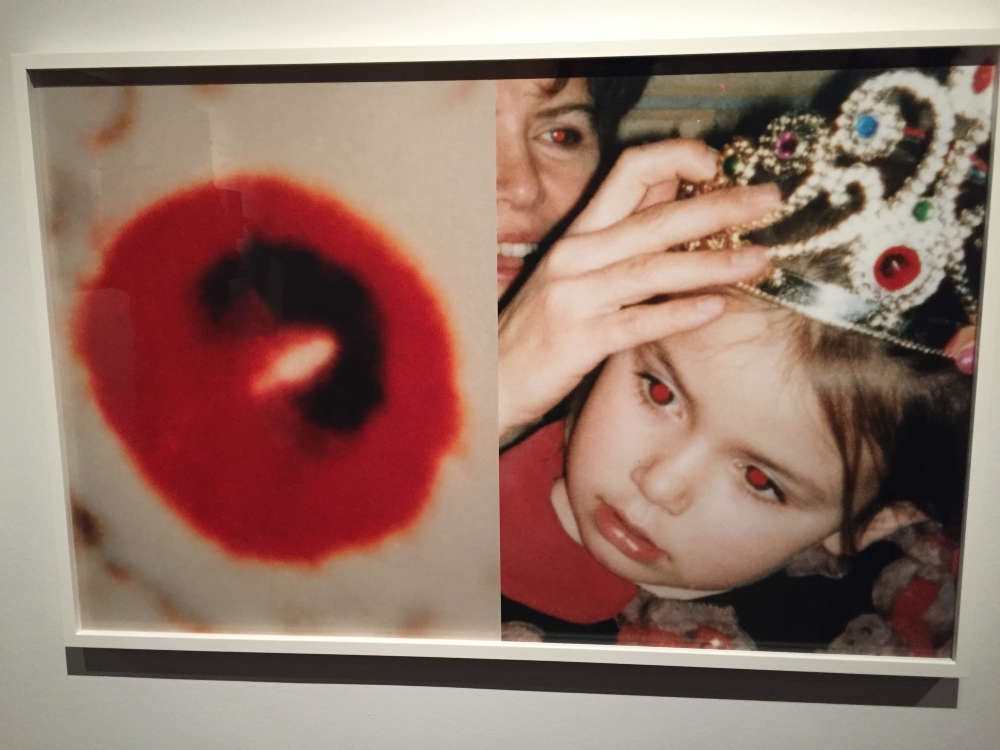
(757, 478)
(982, 78)
(897, 268)
(661, 393)
(238, 461)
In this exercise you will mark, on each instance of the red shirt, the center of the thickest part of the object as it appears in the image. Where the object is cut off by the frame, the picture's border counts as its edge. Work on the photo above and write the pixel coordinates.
(540, 565)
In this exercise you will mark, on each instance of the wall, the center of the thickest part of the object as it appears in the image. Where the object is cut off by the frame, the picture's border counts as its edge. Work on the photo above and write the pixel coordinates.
(42, 707)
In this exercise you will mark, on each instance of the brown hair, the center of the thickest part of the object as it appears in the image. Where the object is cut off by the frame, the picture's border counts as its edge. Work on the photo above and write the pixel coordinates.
(908, 411)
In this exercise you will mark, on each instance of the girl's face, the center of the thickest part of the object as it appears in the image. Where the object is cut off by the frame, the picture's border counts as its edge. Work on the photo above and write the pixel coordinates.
(703, 461)
(546, 153)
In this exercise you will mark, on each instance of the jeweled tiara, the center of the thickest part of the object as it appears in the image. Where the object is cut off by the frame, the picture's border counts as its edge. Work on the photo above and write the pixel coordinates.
(899, 250)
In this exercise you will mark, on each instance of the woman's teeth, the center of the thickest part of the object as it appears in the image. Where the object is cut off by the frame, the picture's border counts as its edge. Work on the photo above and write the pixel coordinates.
(515, 249)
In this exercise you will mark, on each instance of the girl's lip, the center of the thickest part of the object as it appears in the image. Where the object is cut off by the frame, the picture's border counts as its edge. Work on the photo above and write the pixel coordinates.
(628, 540)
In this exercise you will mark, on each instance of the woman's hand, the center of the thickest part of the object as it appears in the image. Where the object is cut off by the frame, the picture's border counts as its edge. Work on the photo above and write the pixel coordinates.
(581, 304)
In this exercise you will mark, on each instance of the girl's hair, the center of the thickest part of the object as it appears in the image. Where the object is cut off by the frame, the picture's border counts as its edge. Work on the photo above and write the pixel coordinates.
(908, 411)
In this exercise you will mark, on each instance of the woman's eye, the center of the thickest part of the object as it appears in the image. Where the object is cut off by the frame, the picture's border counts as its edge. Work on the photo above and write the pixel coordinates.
(659, 393)
(564, 137)
(761, 482)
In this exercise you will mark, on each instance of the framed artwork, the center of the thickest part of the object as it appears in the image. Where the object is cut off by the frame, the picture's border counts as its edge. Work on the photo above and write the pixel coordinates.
(265, 282)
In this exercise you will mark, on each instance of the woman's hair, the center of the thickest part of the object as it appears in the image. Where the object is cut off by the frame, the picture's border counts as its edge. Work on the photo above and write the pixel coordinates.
(614, 96)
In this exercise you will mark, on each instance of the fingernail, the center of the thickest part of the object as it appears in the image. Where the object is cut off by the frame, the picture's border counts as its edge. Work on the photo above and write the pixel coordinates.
(966, 360)
(709, 305)
(750, 257)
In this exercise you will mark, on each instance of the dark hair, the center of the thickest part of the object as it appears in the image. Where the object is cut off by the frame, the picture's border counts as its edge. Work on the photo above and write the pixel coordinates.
(613, 97)
(908, 410)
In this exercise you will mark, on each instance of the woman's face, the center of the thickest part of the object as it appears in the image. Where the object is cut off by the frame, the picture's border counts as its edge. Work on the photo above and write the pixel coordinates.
(703, 461)
(547, 151)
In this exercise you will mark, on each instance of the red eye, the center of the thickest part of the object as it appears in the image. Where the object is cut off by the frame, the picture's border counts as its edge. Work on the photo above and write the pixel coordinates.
(565, 137)
(758, 479)
(661, 393)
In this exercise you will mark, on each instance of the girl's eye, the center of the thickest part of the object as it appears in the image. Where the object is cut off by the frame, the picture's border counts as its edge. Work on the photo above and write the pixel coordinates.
(761, 482)
(660, 393)
(564, 137)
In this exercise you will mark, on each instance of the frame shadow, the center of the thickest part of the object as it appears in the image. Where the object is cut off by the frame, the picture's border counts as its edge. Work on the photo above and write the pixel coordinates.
(503, 674)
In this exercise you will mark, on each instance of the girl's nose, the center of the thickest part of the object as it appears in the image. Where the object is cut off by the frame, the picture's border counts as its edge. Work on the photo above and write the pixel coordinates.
(670, 480)
(518, 180)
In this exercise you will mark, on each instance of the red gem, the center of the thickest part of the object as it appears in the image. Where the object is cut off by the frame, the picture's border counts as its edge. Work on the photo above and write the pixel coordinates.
(897, 268)
(982, 78)
(912, 132)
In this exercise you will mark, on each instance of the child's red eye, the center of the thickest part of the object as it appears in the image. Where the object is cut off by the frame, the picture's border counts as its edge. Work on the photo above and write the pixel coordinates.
(661, 394)
(758, 479)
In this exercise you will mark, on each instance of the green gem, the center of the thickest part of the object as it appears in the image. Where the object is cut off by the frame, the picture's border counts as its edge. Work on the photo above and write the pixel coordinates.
(923, 211)
(732, 166)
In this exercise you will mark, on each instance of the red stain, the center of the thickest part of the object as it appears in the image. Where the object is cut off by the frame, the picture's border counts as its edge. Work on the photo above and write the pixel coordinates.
(246, 470)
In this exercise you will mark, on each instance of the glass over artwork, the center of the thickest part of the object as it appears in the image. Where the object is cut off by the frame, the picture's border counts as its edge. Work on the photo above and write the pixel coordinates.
(731, 376)
(760, 439)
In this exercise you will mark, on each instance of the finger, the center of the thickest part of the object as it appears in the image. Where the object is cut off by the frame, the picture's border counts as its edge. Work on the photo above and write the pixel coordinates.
(663, 192)
(962, 349)
(665, 225)
(636, 280)
(642, 324)
(637, 170)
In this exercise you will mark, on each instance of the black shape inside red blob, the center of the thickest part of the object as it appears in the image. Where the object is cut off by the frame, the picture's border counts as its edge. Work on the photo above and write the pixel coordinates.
(299, 287)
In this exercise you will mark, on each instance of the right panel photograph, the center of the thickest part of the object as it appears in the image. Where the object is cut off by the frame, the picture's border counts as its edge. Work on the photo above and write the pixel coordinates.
(737, 327)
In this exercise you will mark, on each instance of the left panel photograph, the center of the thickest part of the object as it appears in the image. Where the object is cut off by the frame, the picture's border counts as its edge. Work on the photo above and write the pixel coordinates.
(275, 347)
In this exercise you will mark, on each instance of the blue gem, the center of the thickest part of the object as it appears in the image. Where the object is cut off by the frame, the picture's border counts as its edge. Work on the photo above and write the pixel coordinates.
(865, 126)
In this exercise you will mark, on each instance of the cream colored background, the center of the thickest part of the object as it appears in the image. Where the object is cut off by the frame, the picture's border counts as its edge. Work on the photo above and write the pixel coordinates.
(41, 707)
(415, 156)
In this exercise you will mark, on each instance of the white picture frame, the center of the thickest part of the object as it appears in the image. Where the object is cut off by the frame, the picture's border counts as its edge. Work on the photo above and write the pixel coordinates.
(982, 520)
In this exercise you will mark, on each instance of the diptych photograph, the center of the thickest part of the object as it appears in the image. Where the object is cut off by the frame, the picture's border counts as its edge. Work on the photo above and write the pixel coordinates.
(729, 365)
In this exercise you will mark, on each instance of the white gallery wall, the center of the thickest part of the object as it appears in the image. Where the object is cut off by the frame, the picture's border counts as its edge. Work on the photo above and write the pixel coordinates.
(42, 707)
